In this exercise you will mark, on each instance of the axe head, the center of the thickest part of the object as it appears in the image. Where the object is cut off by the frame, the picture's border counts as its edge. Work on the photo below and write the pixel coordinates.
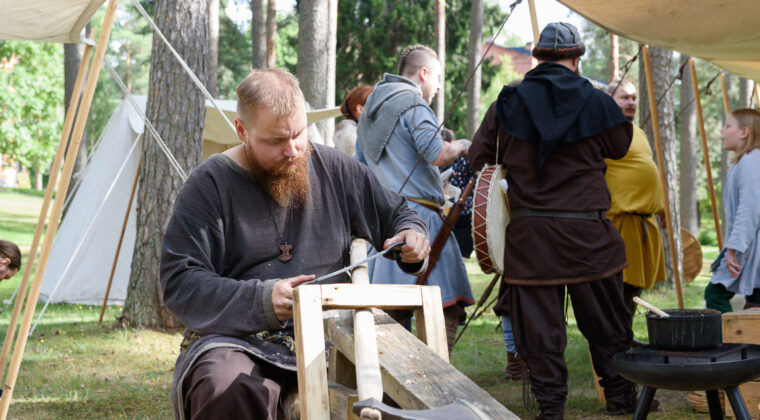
(458, 410)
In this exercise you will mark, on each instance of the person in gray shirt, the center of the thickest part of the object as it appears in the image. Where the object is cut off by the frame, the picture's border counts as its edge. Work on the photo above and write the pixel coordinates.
(250, 225)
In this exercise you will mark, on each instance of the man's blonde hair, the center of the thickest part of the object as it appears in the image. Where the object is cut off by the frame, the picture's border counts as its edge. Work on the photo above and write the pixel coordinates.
(275, 88)
(617, 82)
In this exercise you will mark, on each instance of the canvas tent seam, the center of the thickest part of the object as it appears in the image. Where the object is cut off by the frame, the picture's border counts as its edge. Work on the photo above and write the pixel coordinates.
(162, 145)
(86, 232)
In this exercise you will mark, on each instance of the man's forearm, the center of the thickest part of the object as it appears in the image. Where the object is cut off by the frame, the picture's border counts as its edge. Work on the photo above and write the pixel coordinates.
(451, 151)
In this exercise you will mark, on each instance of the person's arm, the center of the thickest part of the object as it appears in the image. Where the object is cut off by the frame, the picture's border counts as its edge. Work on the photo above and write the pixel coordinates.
(616, 141)
(451, 151)
(744, 230)
(483, 148)
(383, 217)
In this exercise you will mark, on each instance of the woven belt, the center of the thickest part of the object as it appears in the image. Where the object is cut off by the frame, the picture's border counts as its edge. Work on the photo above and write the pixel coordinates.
(428, 205)
(583, 215)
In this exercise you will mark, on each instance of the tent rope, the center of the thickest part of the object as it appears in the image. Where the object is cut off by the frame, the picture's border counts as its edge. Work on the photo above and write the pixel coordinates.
(183, 64)
(704, 90)
(459, 96)
(627, 68)
(678, 76)
(161, 144)
(85, 234)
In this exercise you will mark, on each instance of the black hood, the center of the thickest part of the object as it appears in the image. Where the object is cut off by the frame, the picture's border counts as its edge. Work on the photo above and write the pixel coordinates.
(554, 105)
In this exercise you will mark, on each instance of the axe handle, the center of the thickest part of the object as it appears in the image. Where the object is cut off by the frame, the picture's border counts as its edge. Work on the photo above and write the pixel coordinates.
(369, 383)
(446, 228)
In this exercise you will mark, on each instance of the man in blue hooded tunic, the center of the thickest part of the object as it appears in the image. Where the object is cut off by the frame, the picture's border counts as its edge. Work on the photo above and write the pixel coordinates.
(398, 135)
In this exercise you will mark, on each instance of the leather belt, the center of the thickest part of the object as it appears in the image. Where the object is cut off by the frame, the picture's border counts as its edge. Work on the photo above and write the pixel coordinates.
(583, 215)
(644, 217)
(428, 205)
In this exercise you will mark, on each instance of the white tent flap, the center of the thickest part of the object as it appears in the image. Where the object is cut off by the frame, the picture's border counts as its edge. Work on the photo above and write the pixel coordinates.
(45, 20)
(722, 32)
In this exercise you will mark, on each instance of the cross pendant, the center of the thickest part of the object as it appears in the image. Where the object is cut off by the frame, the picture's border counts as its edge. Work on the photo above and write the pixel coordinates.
(285, 253)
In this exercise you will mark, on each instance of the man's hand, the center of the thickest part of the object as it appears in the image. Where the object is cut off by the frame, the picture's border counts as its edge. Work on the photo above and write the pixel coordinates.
(732, 263)
(416, 247)
(282, 295)
(465, 145)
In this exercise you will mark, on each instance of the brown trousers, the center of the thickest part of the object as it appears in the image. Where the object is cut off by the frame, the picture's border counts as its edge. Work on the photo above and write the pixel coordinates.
(538, 323)
(226, 383)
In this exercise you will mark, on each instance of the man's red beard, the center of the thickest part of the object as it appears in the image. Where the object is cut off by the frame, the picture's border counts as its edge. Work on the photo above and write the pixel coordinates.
(285, 182)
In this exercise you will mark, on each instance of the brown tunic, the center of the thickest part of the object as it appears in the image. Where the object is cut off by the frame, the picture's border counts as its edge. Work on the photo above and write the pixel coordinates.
(550, 251)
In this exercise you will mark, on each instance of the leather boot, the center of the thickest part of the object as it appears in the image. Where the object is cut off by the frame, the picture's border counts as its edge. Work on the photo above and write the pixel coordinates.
(515, 367)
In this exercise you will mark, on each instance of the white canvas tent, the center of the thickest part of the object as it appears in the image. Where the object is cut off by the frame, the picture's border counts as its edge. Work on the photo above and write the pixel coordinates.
(84, 248)
(722, 32)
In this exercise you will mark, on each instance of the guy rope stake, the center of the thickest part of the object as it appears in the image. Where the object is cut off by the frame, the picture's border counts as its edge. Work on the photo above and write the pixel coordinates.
(663, 176)
(705, 152)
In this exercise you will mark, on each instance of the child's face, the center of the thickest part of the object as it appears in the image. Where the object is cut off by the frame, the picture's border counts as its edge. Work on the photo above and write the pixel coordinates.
(733, 135)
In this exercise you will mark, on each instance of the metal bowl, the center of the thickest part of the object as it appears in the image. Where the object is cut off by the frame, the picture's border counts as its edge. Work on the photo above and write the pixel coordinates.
(685, 329)
(682, 372)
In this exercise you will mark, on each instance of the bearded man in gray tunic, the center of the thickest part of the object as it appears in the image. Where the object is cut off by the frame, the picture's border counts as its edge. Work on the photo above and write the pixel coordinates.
(250, 225)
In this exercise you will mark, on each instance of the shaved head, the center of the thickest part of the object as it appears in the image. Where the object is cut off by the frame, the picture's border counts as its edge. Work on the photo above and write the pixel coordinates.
(414, 58)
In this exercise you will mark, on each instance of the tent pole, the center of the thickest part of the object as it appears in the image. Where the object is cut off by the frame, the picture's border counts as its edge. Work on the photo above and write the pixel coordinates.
(705, 151)
(534, 21)
(663, 176)
(757, 96)
(724, 89)
(55, 215)
(121, 238)
(21, 294)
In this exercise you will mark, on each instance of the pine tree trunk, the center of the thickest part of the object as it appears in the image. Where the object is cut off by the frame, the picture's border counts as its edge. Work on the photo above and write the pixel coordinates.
(72, 59)
(440, 49)
(213, 47)
(473, 56)
(614, 56)
(662, 71)
(312, 67)
(258, 34)
(688, 133)
(271, 32)
(176, 108)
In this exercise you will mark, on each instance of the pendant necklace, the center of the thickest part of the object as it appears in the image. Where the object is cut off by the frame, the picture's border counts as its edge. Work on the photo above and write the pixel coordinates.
(285, 247)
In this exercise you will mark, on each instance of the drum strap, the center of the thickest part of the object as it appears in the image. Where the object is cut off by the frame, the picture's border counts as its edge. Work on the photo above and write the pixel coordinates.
(584, 215)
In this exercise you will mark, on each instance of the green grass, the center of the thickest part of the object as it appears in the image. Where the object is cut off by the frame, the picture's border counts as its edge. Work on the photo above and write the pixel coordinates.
(75, 369)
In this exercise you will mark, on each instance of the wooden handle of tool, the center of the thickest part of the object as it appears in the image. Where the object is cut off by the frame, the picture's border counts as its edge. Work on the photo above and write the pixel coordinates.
(369, 383)
(651, 307)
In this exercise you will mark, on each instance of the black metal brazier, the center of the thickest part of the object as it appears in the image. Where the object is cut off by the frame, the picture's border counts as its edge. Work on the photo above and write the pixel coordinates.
(685, 329)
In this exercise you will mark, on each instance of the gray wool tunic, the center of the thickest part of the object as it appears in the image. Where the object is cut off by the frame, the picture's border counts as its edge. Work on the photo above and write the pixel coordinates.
(220, 251)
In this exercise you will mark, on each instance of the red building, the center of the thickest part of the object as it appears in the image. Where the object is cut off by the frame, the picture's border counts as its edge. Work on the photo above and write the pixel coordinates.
(520, 57)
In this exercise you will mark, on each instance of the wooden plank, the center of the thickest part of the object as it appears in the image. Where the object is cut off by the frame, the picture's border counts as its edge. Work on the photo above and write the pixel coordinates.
(599, 389)
(431, 327)
(751, 394)
(742, 326)
(310, 353)
(342, 401)
(413, 375)
(340, 370)
(384, 296)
